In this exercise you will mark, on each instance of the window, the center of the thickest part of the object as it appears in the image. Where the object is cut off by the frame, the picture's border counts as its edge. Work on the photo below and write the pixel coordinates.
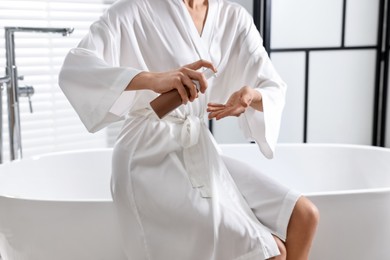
(53, 125)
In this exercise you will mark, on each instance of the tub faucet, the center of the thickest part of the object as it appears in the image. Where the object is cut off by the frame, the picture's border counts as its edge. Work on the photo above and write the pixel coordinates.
(3, 82)
(14, 91)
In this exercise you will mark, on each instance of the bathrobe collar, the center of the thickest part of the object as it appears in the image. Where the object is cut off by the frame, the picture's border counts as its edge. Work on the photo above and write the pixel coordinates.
(201, 42)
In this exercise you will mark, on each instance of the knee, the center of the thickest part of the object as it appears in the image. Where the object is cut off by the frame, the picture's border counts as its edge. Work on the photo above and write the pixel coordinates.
(282, 250)
(306, 213)
(283, 253)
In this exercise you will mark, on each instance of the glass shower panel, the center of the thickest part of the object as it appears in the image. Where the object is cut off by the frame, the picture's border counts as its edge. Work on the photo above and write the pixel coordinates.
(361, 22)
(291, 67)
(341, 96)
(306, 23)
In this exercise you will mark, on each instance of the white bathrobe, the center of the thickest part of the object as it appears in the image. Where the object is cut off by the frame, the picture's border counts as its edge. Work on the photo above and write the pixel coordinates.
(175, 196)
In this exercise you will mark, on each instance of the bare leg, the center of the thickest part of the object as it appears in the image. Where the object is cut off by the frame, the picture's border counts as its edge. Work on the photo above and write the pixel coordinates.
(282, 249)
(303, 221)
(301, 229)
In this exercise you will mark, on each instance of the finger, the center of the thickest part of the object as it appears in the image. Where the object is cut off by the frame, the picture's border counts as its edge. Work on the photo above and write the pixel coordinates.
(182, 91)
(197, 76)
(187, 82)
(214, 109)
(212, 115)
(246, 99)
(234, 111)
(216, 105)
(200, 64)
(215, 114)
(223, 114)
(226, 111)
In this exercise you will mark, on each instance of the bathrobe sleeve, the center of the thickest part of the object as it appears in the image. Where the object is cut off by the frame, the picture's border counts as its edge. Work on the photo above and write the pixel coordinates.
(258, 72)
(92, 79)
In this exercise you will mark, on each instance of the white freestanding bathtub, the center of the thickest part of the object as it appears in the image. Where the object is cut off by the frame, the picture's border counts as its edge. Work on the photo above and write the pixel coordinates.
(58, 207)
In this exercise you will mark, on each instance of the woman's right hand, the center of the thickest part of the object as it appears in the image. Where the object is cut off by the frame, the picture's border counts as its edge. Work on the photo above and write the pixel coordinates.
(179, 79)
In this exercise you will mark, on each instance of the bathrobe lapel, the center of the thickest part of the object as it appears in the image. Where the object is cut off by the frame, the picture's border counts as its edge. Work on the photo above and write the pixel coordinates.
(201, 43)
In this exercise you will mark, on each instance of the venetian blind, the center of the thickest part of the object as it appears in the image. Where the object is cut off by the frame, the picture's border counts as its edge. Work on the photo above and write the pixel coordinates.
(53, 126)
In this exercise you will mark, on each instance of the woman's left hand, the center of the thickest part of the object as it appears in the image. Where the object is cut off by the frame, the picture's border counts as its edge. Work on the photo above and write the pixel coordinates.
(238, 102)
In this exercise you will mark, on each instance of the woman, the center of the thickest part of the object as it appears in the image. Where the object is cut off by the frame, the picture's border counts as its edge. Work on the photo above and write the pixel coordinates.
(175, 196)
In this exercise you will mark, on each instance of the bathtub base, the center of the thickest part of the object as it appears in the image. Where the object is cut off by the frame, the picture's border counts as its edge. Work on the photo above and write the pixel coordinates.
(350, 231)
(90, 234)
(70, 214)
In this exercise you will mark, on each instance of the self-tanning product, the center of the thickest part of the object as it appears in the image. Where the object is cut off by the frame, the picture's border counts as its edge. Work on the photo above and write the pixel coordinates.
(168, 101)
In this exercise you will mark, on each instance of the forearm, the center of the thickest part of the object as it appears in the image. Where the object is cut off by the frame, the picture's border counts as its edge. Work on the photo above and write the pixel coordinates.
(181, 79)
(140, 81)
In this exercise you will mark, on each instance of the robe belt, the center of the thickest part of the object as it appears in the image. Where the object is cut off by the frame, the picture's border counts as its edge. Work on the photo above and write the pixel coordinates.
(196, 161)
(195, 158)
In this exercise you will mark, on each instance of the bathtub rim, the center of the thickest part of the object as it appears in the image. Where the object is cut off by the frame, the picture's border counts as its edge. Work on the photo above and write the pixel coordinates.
(45, 155)
(329, 145)
(313, 145)
(308, 194)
